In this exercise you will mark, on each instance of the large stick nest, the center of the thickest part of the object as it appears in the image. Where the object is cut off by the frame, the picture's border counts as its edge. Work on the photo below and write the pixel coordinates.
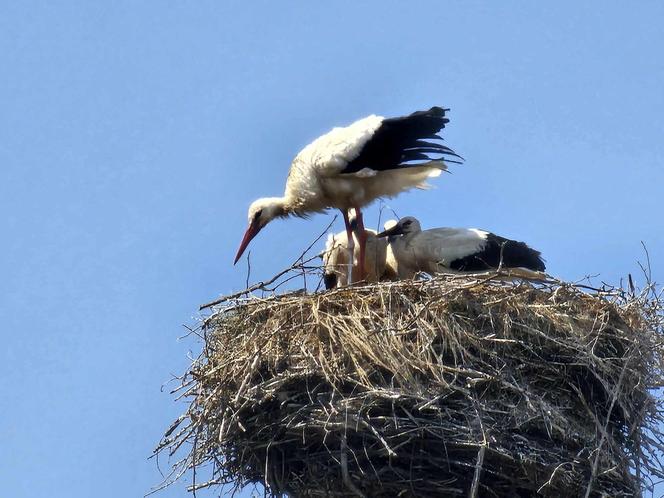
(454, 386)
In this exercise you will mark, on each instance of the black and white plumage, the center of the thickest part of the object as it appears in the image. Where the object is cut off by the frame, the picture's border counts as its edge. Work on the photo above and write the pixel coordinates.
(349, 167)
(445, 250)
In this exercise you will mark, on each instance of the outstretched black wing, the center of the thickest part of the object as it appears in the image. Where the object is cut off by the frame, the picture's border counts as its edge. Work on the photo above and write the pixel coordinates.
(405, 141)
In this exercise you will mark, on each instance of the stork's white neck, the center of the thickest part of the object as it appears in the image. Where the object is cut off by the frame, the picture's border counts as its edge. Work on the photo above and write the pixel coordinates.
(403, 256)
(276, 203)
(264, 210)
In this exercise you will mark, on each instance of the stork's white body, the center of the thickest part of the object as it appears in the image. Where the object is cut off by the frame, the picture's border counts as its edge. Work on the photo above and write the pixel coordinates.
(376, 264)
(316, 180)
(454, 250)
(349, 167)
(432, 251)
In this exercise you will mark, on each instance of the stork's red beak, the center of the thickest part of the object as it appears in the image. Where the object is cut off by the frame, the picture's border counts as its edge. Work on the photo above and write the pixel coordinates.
(248, 235)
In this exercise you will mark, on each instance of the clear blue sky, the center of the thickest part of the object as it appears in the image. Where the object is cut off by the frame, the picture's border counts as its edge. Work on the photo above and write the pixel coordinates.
(133, 136)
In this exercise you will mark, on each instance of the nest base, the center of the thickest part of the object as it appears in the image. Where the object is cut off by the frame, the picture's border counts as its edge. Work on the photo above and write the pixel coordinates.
(451, 387)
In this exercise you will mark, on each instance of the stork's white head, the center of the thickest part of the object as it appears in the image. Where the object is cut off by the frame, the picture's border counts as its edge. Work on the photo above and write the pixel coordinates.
(404, 226)
(334, 262)
(261, 212)
(389, 224)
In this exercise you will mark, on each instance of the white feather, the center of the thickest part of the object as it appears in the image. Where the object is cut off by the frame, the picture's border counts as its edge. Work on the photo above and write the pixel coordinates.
(433, 250)
(335, 258)
(315, 181)
(329, 154)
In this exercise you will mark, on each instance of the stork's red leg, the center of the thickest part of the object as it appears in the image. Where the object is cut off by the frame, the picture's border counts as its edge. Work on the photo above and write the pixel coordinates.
(350, 245)
(362, 238)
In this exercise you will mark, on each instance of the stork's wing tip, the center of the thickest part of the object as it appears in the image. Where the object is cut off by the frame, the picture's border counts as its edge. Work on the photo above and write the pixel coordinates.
(438, 110)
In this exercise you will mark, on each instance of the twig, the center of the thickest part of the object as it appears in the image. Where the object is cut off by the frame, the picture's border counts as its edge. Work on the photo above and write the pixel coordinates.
(474, 489)
(246, 281)
(616, 392)
(648, 272)
(248, 290)
(193, 466)
(296, 265)
(344, 468)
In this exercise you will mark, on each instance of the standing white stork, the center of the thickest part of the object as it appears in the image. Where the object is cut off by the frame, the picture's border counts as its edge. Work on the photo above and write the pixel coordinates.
(352, 166)
(452, 250)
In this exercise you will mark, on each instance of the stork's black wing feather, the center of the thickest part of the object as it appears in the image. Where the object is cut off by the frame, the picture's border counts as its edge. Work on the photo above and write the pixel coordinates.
(513, 253)
(404, 141)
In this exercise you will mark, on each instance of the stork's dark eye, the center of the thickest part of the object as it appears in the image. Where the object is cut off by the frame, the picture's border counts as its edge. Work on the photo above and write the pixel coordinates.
(257, 214)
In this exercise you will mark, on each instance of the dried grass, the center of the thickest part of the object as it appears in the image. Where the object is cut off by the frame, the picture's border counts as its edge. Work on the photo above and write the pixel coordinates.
(456, 386)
